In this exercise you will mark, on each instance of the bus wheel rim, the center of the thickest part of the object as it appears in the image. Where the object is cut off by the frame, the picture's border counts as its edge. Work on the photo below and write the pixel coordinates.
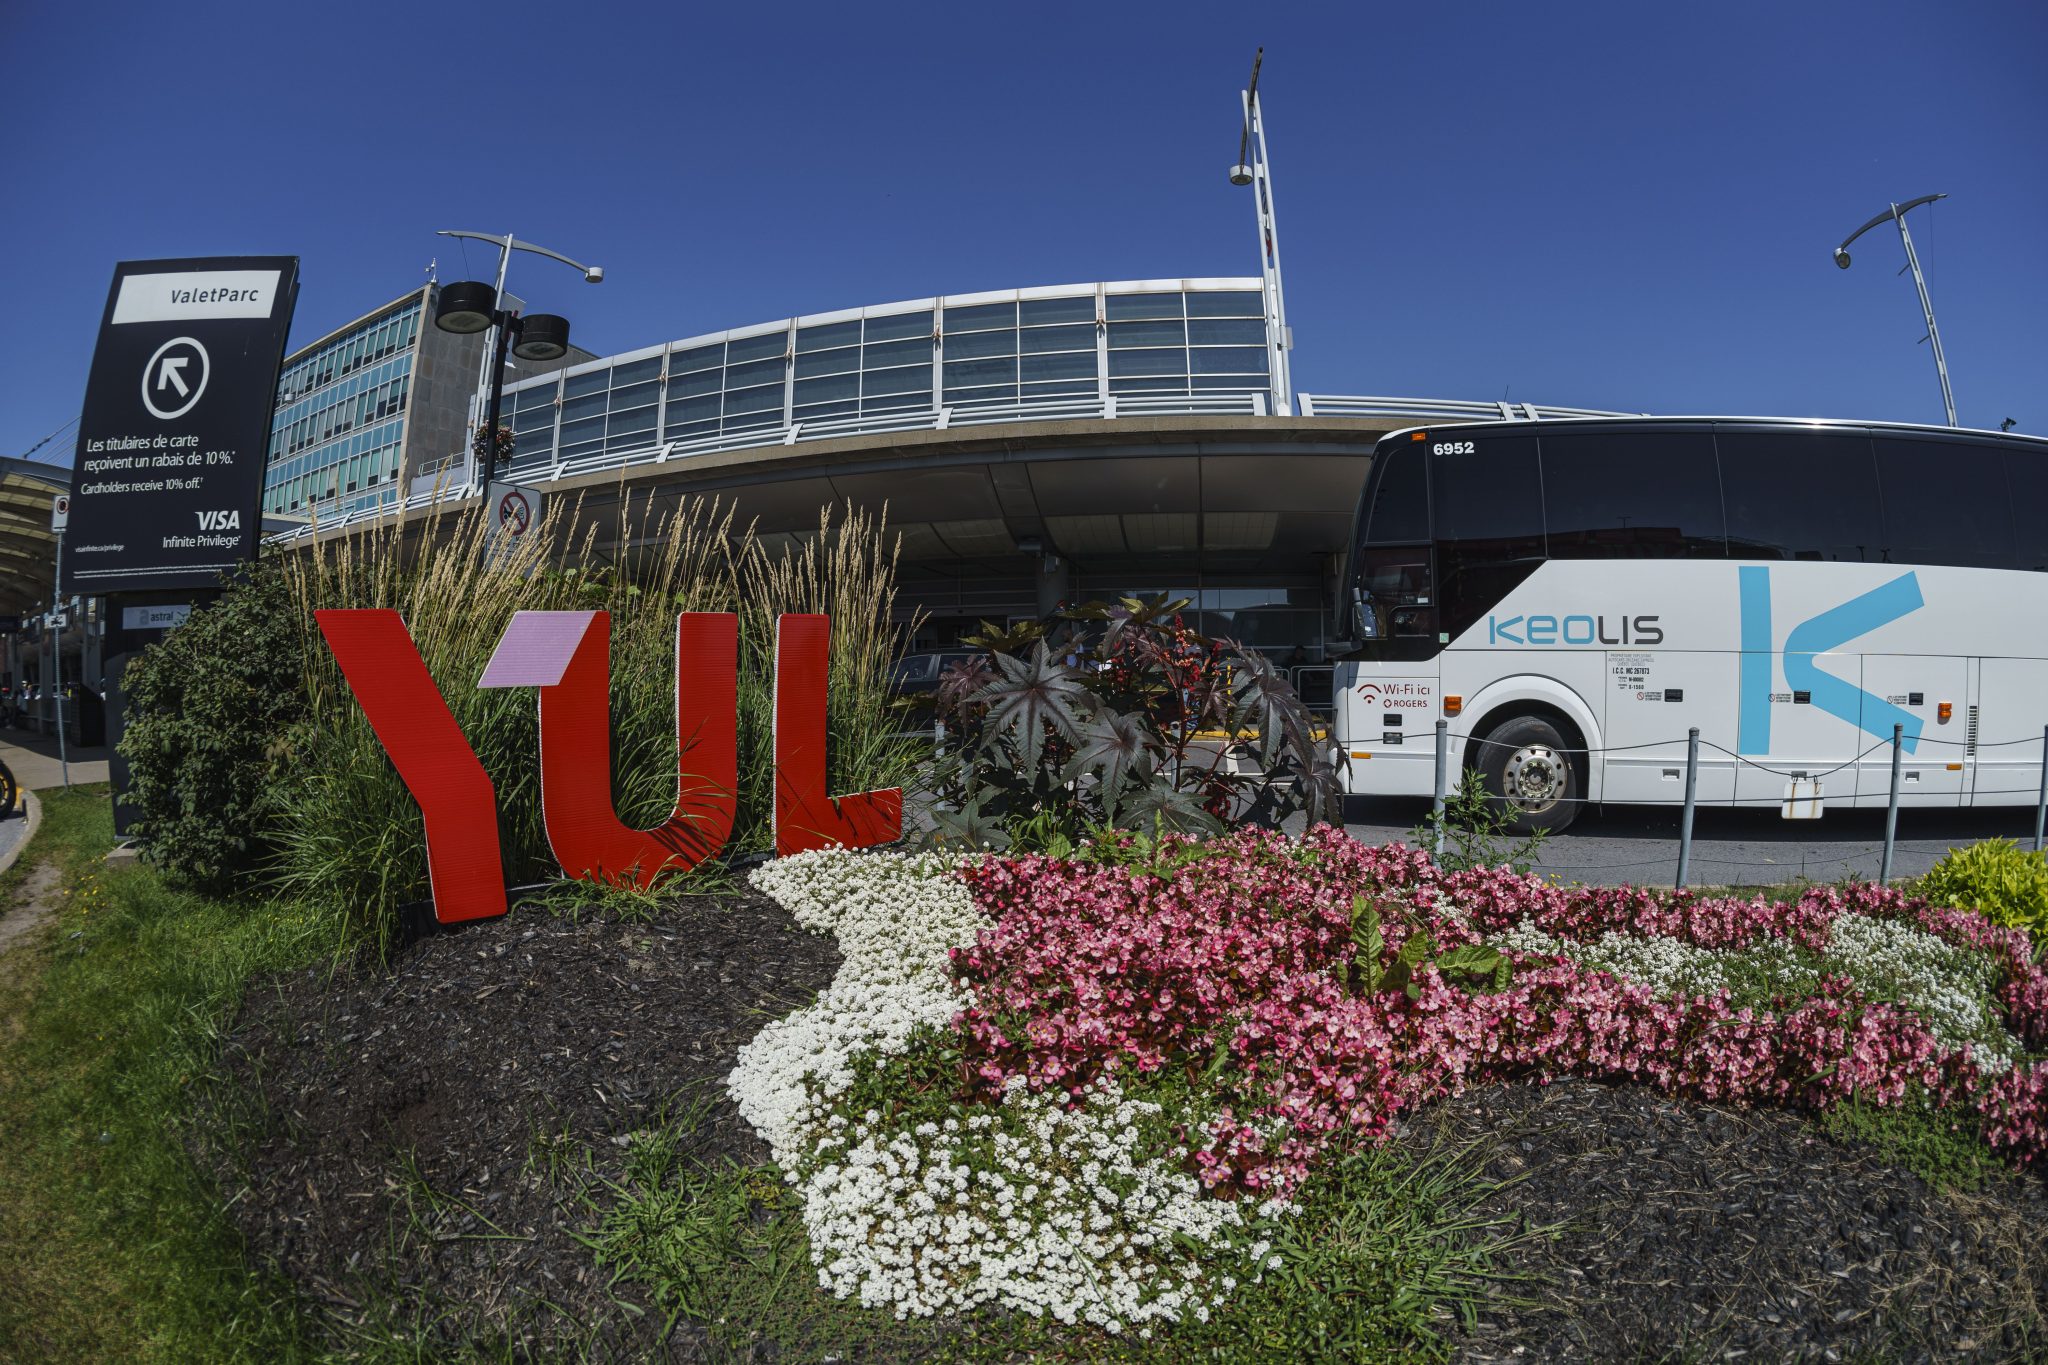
(1534, 777)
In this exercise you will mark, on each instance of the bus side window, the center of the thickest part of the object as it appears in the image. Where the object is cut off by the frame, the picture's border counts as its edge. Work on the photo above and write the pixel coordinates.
(1648, 495)
(1487, 509)
(1400, 500)
(2026, 474)
(1800, 495)
(1945, 502)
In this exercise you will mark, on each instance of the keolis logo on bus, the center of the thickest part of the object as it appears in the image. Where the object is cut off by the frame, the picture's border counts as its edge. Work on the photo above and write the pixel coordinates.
(1574, 630)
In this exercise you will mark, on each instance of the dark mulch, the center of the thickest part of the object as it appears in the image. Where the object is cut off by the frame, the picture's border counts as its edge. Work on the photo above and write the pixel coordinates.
(1698, 1232)
(479, 1063)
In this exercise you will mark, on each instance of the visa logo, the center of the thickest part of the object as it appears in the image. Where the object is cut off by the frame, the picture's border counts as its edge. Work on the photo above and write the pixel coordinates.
(228, 520)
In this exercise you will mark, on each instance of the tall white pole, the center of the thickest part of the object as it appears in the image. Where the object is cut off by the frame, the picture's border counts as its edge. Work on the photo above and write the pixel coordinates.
(1948, 398)
(1269, 257)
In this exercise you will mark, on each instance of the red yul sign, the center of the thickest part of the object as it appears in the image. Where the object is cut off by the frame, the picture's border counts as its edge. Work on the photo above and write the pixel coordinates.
(567, 656)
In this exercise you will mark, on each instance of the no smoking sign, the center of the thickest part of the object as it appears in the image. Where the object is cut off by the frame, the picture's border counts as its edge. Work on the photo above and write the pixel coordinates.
(513, 510)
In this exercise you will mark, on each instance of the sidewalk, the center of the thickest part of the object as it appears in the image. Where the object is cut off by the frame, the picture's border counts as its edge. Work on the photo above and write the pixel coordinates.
(33, 760)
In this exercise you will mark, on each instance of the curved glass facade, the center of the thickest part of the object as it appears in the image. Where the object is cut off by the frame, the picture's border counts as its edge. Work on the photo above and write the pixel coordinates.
(1008, 350)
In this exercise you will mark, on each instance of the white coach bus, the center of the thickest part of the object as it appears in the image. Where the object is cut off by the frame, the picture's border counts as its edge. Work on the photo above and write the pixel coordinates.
(1574, 596)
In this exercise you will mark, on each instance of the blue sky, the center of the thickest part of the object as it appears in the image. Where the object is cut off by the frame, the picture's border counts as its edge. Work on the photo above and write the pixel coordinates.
(1621, 206)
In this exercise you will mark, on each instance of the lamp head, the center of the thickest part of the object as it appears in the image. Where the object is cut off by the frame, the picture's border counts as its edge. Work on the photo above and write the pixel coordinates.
(465, 307)
(594, 275)
(542, 336)
(1841, 258)
(1240, 175)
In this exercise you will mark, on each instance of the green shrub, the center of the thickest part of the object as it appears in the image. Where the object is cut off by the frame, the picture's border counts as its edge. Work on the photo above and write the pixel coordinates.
(1996, 878)
(216, 715)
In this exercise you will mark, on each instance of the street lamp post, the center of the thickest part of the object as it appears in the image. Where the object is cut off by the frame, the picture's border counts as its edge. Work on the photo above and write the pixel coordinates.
(1252, 169)
(1897, 214)
(470, 306)
(494, 355)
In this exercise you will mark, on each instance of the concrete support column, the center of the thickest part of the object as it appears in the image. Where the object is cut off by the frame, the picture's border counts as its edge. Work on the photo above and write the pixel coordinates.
(1054, 583)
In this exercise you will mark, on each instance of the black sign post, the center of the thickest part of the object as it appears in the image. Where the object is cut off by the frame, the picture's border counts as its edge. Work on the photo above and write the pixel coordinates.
(167, 489)
(168, 485)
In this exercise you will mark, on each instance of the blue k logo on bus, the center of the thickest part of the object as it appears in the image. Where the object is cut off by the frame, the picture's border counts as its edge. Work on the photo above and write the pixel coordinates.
(1829, 630)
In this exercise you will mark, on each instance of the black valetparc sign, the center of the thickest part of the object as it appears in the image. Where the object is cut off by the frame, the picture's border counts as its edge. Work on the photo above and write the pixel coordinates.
(168, 485)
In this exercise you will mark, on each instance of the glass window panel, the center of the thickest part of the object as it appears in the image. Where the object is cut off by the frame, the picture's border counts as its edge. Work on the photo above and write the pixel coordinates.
(1228, 359)
(1058, 338)
(533, 419)
(899, 326)
(829, 335)
(973, 345)
(636, 396)
(1800, 495)
(694, 409)
(698, 381)
(1945, 502)
(1227, 303)
(574, 433)
(980, 317)
(1241, 383)
(1616, 495)
(1227, 331)
(756, 347)
(629, 423)
(1123, 363)
(2026, 475)
(590, 405)
(683, 431)
(1118, 307)
(980, 372)
(591, 381)
(909, 379)
(1080, 308)
(983, 394)
(1488, 509)
(828, 362)
(811, 412)
(1072, 365)
(1399, 511)
(830, 387)
(636, 372)
(759, 372)
(1155, 333)
(875, 357)
(1064, 387)
(697, 358)
(1148, 386)
(767, 398)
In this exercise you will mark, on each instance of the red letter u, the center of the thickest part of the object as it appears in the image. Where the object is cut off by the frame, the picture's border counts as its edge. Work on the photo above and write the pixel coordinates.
(567, 654)
(805, 817)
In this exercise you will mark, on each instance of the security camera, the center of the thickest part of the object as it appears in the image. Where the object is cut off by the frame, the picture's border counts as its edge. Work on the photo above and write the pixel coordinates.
(595, 275)
(1841, 258)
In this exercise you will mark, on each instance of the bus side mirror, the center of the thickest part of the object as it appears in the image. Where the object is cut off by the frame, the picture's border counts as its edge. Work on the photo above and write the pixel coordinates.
(1363, 617)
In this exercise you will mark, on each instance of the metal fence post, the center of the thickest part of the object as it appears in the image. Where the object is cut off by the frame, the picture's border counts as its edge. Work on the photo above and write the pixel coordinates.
(1443, 754)
(1891, 811)
(1692, 791)
(2041, 805)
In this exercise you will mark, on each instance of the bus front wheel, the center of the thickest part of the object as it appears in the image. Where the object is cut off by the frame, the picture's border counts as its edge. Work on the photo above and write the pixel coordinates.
(1529, 775)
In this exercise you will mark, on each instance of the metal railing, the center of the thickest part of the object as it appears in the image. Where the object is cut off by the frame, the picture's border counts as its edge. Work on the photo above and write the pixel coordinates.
(547, 467)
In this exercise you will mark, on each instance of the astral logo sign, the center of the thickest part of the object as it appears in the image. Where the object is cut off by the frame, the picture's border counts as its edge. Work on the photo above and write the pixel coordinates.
(1574, 630)
(567, 656)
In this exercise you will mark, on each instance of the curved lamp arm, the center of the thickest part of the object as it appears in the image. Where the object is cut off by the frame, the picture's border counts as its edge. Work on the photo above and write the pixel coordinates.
(1895, 211)
(592, 273)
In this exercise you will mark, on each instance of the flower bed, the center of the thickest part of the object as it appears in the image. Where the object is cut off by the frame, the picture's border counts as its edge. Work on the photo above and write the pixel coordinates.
(1089, 1087)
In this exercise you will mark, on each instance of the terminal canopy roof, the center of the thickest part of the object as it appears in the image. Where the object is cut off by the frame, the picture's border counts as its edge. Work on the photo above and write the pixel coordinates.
(28, 548)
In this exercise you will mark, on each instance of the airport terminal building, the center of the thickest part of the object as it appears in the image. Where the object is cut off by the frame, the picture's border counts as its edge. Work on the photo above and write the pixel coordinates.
(1032, 446)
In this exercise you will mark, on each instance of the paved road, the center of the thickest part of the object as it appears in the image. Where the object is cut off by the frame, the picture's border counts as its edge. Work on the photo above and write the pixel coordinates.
(1730, 847)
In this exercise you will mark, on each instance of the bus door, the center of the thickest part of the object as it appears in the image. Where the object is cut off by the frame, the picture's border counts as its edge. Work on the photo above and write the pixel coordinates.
(1903, 688)
(2012, 708)
(1793, 736)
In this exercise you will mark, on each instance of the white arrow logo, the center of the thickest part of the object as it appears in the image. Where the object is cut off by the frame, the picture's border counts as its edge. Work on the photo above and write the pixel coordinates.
(168, 371)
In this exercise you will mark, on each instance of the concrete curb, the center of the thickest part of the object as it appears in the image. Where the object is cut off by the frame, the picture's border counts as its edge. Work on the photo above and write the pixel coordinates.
(33, 812)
